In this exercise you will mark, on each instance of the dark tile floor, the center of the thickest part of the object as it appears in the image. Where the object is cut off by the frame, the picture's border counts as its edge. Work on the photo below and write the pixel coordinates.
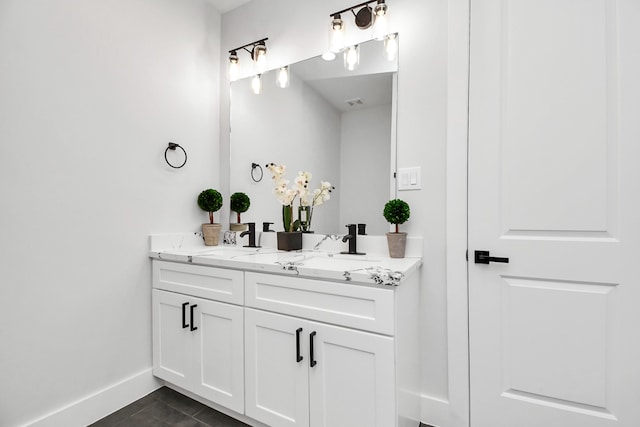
(165, 407)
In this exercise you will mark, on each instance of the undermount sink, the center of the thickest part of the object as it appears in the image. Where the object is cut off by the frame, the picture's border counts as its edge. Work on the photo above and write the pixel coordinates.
(228, 252)
(213, 251)
(339, 262)
(311, 260)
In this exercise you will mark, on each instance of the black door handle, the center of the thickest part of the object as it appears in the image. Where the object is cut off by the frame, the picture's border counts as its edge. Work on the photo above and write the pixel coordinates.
(312, 361)
(184, 315)
(193, 328)
(482, 257)
(298, 355)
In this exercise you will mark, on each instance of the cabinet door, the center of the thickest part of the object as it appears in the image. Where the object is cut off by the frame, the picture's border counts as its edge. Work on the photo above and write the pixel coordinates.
(218, 353)
(276, 382)
(352, 383)
(171, 342)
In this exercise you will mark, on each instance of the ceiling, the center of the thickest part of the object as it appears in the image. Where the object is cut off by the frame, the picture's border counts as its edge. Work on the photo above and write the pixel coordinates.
(371, 82)
(225, 6)
(372, 90)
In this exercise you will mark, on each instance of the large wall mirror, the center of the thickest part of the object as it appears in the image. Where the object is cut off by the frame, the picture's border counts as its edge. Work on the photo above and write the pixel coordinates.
(338, 125)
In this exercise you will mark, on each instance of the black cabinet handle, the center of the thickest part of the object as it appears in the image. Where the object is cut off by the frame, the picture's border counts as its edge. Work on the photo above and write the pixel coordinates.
(298, 355)
(193, 328)
(184, 315)
(312, 361)
(482, 257)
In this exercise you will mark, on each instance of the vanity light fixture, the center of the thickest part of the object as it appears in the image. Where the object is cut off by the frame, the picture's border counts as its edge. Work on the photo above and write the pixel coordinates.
(336, 36)
(328, 56)
(364, 18)
(259, 55)
(352, 57)
(256, 84)
(258, 52)
(233, 66)
(381, 23)
(391, 46)
(282, 77)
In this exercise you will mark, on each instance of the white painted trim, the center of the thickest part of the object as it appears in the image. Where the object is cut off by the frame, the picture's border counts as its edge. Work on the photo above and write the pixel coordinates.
(393, 158)
(409, 408)
(457, 292)
(97, 405)
(435, 412)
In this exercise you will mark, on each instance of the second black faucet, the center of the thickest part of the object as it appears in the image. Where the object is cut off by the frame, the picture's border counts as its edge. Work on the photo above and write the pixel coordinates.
(351, 237)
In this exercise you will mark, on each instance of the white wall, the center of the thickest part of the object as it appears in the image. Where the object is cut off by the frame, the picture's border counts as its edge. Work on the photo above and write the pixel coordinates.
(299, 30)
(365, 144)
(303, 133)
(92, 91)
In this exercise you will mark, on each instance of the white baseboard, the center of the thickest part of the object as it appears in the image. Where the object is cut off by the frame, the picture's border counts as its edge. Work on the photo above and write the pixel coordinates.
(93, 407)
(435, 412)
(409, 408)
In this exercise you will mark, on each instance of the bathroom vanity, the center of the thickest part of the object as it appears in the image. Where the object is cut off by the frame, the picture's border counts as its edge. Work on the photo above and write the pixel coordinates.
(305, 338)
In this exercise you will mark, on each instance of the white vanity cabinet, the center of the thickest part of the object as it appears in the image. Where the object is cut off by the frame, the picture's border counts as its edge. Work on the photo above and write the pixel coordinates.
(287, 350)
(197, 341)
(301, 371)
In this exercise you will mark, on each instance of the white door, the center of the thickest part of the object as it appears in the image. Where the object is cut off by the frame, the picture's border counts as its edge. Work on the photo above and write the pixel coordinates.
(554, 185)
(218, 353)
(352, 381)
(276, 361)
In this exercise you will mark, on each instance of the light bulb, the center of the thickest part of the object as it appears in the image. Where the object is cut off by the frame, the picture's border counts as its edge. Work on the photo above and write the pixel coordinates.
(234, 68)
(336, 36)
(282, 79)
(352, 57)
(328, 56)
(256, 84)
(259, 55)
(391, 47)
(381, 23)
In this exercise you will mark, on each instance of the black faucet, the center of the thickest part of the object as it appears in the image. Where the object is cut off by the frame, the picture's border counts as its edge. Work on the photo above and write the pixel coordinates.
(351, 237)
(252, 235)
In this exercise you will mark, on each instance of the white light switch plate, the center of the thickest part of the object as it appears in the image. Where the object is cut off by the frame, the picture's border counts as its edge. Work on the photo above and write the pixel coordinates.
(409, 179)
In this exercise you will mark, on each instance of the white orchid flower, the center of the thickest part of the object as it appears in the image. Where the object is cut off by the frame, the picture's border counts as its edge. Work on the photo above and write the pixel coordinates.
(300, 188)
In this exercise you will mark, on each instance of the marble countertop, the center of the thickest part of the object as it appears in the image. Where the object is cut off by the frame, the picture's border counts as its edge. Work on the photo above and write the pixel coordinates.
(374, 268)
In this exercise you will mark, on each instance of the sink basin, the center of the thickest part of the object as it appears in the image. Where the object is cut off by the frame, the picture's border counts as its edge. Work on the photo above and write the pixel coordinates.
(265, 257)
(212, 251)
(339, 263)
(228, 252)
(293, 260)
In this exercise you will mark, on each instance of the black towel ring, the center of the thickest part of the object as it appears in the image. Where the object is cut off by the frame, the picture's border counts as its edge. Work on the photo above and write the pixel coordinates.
(173, 146)
(255, 166)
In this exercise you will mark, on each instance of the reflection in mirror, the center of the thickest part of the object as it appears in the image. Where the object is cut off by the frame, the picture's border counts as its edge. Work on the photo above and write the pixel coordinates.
(338, 125)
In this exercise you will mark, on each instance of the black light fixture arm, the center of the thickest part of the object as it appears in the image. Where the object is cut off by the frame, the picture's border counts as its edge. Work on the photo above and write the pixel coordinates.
(252, 44)
(335, 14)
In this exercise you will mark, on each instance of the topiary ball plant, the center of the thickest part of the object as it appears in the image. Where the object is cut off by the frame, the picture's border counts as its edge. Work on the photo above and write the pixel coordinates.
(210, 200)
(240, 203)
(396, 212)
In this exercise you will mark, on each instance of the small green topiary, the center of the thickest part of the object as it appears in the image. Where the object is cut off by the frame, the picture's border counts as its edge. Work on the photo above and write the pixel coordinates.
(210, 200)
(396, 212)
(240, 203)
